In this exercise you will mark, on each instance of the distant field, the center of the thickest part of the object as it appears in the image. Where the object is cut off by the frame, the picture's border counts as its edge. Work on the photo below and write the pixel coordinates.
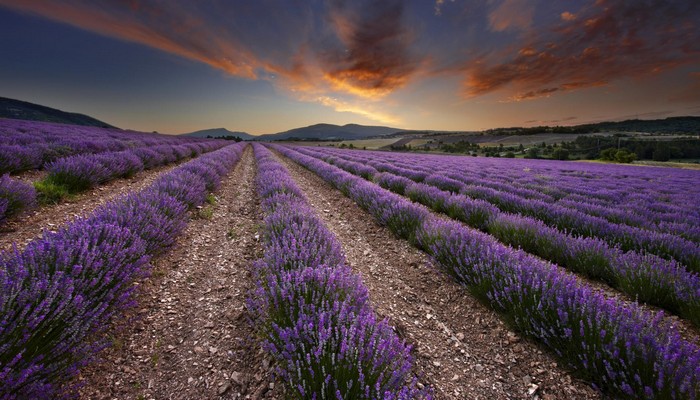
(369, 144)
(481, 140)
(527, 140)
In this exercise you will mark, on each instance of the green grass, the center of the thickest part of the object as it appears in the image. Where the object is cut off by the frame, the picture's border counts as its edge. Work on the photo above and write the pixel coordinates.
(49, 192)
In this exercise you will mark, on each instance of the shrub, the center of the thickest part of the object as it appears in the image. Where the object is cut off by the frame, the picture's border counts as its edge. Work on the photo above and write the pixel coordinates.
(16, 196)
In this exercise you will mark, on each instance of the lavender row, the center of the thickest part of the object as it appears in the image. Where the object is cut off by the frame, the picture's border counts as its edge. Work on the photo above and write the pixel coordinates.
(658, 215)
(313, 312)
(643, 208)
(577, 223)
(625, 351)
(76, 173)
(667, 189)
(82, 172)
(60, 295)
(30, 145)
(15, 196)
(644, 277)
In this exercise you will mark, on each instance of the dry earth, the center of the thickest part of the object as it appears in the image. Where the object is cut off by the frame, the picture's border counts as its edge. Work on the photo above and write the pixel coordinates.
(462, 349)
(193, 338)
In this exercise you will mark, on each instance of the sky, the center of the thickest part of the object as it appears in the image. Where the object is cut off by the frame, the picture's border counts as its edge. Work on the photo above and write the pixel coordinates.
(265, 66)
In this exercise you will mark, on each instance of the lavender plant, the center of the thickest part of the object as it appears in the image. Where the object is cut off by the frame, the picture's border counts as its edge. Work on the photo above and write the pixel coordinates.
(313, 312)
(15, 196)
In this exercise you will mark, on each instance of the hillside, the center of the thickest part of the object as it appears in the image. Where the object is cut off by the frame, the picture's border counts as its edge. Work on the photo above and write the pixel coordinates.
(17, 109)
(331, 132)
(220, 133)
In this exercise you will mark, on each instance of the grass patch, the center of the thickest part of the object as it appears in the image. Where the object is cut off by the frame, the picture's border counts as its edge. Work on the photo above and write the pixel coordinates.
(49, 192)
(206, 213)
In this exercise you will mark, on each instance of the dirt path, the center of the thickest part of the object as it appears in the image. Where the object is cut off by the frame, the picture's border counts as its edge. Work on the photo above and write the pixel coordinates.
(193, 339)
(462, 349)
(28, 226)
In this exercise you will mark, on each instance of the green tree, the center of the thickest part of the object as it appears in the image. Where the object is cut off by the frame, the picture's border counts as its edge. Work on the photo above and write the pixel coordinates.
(625, 156)
(608, 154)
(560, 154)
(532, 152)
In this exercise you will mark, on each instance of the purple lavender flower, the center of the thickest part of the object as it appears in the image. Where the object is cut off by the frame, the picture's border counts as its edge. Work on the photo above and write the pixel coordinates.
(16, 196)
(313, 311)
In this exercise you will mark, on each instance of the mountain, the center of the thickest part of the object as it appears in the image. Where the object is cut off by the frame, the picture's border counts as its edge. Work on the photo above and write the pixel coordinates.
(219, 133)
(331, 132)
(17, 109)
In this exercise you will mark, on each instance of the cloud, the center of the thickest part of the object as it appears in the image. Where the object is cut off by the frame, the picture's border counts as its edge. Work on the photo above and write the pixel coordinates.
(375, 58)
(363, 110)
(567, 16)
(359, 48)
(607, 41)
(534, 94)
(172, 29)
(512, 15)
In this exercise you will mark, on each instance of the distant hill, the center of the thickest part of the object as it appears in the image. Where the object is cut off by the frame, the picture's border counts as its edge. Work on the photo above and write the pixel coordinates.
(667, 125)
(17, 109)
(331, 132)
(671, 125)
(220, 133)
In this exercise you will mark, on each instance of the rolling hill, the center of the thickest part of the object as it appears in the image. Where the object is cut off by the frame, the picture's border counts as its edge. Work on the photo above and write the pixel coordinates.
(17, 109)
(331, 132)
(220, 133)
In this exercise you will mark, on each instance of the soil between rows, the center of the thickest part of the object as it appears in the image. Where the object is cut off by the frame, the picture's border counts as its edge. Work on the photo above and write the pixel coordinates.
(461, 348)
(193, 338)
(24, 228)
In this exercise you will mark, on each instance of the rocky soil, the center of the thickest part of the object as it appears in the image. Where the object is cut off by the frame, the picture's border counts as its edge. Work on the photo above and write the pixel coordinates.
(193, 338)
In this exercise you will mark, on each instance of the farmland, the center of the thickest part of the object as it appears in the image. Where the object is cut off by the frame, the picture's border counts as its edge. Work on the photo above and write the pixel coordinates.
(139, 265)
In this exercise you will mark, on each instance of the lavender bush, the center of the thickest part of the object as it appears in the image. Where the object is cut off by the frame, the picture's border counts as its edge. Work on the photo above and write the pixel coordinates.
(15, 196)
(313, 312)
(77, 173)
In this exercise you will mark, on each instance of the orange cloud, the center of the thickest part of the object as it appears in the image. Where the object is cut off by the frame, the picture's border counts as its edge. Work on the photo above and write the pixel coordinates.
(364, 50)
(169, 29)
(567, 16)
(363, 110)
(608, 41)
(533, 94)
(375, 59)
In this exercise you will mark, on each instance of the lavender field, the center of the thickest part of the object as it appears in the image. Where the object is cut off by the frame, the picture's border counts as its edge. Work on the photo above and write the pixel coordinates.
(217, 270)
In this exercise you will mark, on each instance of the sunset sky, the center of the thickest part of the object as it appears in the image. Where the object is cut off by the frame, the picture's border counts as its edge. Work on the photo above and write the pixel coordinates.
(266, 66)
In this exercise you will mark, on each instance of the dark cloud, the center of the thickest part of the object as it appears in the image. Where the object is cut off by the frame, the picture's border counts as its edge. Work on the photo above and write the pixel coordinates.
(374, 56)
(607, 41)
